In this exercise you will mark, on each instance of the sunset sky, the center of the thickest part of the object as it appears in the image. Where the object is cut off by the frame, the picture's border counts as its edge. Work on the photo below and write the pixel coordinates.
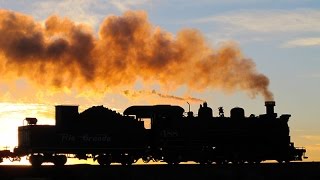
(121, 53)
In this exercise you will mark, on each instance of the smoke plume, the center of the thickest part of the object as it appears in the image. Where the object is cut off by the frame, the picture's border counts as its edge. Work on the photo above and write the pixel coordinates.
(143, 93)
(61, 53)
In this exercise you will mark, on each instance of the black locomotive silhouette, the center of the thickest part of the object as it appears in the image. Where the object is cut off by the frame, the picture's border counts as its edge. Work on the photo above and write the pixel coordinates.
(172, 136)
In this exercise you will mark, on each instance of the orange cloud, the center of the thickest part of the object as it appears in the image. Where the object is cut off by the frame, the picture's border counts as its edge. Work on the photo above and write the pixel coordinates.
(63, 54)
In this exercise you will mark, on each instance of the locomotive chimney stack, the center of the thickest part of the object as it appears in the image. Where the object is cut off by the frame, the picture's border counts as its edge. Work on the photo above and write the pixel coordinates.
(270, 107)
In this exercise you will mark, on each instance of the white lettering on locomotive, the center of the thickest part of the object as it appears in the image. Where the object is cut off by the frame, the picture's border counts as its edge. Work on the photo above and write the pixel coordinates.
(96, 138)
(67, 137)
(170, 133)
(85, 138)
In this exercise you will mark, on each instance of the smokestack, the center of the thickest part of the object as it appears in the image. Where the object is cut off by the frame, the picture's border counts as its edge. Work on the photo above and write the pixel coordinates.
(270, 107)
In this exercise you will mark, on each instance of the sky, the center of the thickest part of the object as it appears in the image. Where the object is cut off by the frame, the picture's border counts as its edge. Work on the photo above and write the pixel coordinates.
(264, 51)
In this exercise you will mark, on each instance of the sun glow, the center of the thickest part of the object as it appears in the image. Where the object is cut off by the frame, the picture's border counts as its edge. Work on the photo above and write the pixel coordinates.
(12, 116)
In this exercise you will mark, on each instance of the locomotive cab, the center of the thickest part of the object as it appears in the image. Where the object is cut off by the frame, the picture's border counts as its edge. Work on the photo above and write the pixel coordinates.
(158, 114)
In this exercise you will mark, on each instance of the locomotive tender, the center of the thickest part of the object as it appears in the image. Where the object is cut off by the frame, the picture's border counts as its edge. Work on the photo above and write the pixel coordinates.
(172, 137)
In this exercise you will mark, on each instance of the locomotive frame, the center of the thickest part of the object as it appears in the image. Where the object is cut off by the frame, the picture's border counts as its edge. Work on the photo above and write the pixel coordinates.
(109, 137)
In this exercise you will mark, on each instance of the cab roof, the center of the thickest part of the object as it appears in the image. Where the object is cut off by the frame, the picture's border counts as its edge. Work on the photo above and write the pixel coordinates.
(149, 111)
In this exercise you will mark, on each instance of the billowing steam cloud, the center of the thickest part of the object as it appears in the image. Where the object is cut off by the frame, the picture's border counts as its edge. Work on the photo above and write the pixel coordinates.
(60, 53)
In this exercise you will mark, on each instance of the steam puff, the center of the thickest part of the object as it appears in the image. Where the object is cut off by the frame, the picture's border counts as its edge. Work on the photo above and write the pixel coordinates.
(62, 53)
(143, 93)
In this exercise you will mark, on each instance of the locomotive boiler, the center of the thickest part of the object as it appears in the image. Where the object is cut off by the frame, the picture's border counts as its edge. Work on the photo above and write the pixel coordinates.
(173, 136)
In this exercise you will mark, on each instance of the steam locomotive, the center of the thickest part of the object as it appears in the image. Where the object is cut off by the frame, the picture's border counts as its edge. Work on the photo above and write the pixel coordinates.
(159, 133)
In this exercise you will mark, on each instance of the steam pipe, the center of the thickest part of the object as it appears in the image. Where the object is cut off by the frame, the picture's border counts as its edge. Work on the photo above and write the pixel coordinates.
(189, 106)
